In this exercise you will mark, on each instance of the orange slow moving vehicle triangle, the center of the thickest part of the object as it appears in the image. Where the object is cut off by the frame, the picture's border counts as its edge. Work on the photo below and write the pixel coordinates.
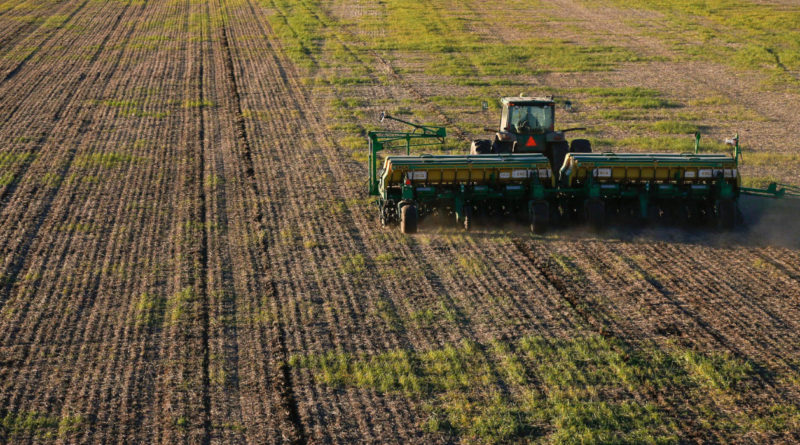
(531, 142)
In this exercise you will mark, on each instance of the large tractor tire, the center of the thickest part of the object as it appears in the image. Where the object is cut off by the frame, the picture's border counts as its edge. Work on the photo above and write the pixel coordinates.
(726, 214)
(408, 219)
(556, 153)
(580, 146)
(595, 210)
(480, 147)
(540, 217)
(503, 146)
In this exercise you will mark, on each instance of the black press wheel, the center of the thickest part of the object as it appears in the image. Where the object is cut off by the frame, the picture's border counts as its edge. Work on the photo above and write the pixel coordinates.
(540, 217)
(726, 214)
(595, 214)
(408, 219)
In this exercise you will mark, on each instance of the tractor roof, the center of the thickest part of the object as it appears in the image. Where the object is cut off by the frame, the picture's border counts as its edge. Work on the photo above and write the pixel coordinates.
(528, 100)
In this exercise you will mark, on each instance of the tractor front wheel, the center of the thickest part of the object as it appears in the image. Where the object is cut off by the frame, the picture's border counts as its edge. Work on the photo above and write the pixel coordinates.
(408, 219)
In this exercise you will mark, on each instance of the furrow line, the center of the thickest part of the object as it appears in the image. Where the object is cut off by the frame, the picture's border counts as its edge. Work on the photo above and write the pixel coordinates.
(284, 384)
(561, 288)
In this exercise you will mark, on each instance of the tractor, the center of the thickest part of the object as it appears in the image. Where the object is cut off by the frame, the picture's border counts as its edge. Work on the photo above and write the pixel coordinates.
(527, 125)
(530, 173)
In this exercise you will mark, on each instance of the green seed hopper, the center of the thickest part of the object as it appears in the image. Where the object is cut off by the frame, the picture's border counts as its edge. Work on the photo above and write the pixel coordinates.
(413, 186)
(593, 187)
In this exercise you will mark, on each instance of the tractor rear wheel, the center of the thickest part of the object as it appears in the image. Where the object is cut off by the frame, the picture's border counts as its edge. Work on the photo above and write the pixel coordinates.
(580, 146)
(481, 147)
(595, 214)
(408, 219)
(502, 146)
(726, 214)
(540, 217)
(556, 153)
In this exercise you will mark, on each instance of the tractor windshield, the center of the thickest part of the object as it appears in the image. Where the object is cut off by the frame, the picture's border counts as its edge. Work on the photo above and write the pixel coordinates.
(530, 118)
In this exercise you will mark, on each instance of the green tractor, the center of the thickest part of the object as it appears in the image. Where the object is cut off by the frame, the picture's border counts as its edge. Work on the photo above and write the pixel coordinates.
(527, 125)
(530, 173)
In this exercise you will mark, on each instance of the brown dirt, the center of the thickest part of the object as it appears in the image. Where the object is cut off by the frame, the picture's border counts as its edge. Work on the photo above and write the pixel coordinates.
(181, 222)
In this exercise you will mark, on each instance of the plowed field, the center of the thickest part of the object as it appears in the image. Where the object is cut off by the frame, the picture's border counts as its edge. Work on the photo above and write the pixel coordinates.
(188, 253)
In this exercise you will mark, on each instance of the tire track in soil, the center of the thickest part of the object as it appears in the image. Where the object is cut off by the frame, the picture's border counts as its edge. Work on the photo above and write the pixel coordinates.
(180, 393)
(562, 289)
(296, 289)
(203, 250)
(284, 385)
(280, 67)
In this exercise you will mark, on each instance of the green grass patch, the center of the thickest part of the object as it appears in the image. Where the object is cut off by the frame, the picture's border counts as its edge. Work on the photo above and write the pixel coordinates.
(663, 144)
(758, 181)
(423, 318)
(180, 304)
(588, 390)
(710, 101)
(471, 265)
(353, 265)
(197, 103)
(738, 33)
(7, 179)
(626, 97)
(39, 425)
(8, 159)
(297, 24)
(675, 127)
(617, 115)
(767, 159)
(149, 309)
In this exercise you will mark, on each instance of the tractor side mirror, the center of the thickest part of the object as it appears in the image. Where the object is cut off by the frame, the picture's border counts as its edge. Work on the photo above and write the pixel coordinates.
(383, 116)
(568, 105)
(485, 106)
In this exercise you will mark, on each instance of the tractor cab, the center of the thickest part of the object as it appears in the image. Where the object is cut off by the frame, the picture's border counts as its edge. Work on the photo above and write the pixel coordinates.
(527, 125)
